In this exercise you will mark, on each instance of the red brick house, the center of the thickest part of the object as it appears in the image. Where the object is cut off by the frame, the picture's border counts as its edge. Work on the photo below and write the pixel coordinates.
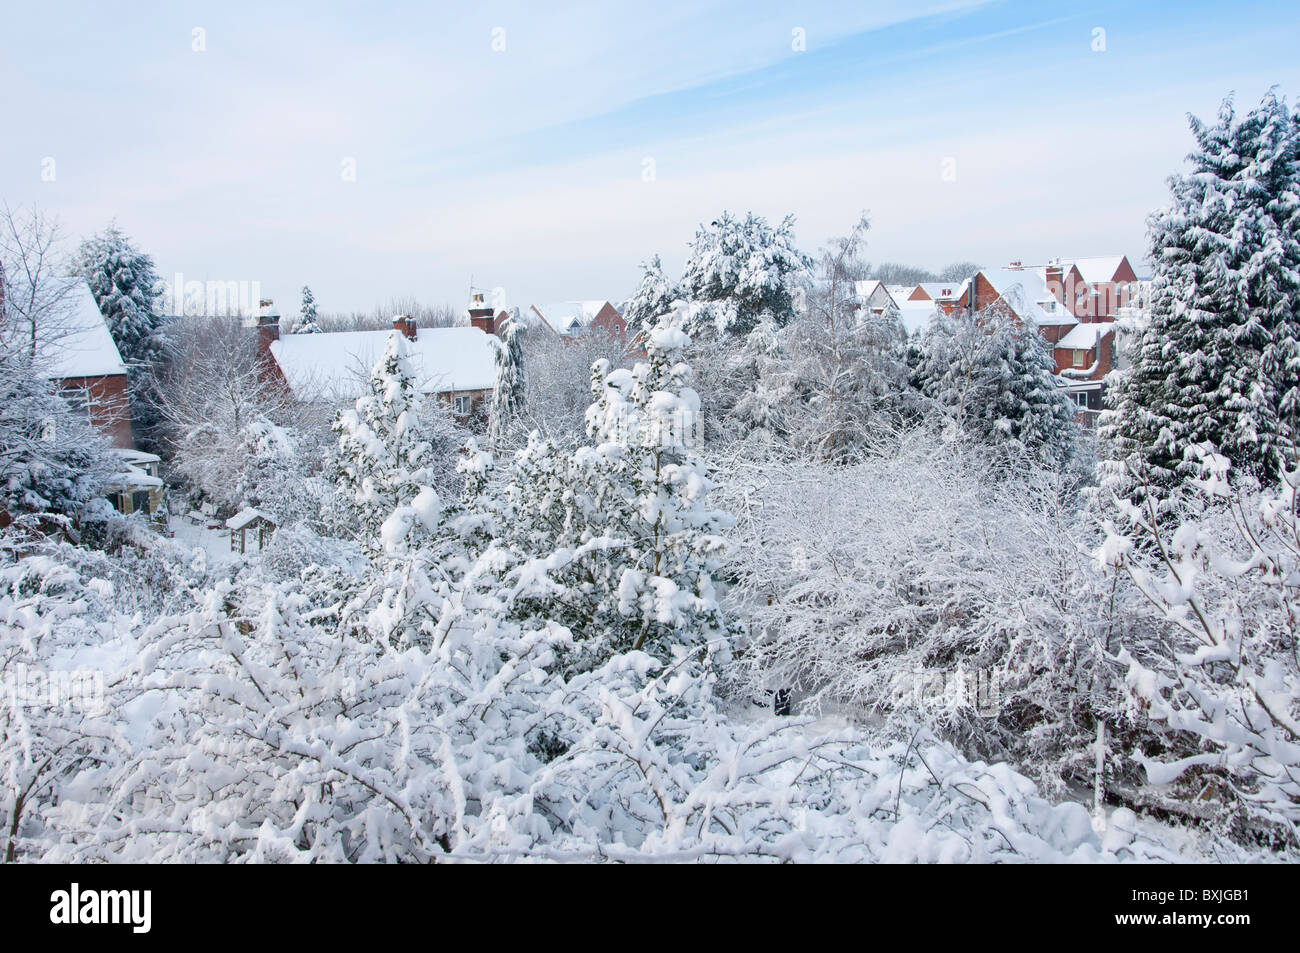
(1083, 351)
(571, 318)
(1093, 289)
(943, 293)
(78, 356)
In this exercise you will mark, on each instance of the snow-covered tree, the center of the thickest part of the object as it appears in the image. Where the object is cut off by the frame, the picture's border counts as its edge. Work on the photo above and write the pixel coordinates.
(558, 386)
(306, 322)
(509, 388)
(126, 288)
(37, 297)
(1219, 358)
(52, 461)
(638, 497)
(210, 387)
(743, 271)
(1226, 581)
(654, 297)
(383, 460)
(993, 379)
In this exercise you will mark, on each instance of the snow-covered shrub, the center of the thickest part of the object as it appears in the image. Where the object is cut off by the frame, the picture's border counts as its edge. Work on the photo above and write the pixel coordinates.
(52, 462)
(260, 726)
(921, 585)
(1226, 580)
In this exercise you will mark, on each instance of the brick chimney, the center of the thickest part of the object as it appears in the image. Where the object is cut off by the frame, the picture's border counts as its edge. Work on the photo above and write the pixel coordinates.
(406, 324)
(1053, 278)
(268, 332)
(481, 314)
(268, 325)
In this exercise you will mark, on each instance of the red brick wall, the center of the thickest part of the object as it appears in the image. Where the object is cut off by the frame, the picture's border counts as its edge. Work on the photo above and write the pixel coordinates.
(109, 412)
(609, 319)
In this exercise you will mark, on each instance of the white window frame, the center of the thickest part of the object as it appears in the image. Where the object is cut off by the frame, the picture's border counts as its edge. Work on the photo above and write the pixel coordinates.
(1079, 357)
(462, 404)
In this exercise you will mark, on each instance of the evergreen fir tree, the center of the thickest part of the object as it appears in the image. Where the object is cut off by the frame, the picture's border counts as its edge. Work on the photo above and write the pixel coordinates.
(125, 285)
(383, 458)
(306, 323)
(745, 271)
(995, 380)
(653, 298)
(126, 288)
(1218, 359)
(635, 502)
(508, 389)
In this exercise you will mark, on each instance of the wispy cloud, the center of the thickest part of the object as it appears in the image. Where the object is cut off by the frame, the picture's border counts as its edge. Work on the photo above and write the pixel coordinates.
(525, 164)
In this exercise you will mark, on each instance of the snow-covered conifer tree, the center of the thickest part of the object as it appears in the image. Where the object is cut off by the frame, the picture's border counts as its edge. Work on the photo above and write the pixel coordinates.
(509, 388)
(306, 322)
(1219, 358)
(744, 270)
(994, 380)
(637, 499)
(125, 285)
(653, 297)
(126, 288)
(383, 463)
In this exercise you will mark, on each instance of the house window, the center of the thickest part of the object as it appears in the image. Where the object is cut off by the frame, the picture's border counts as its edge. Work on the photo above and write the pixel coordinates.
(77, 399)
(461, 405)
(1079, 358)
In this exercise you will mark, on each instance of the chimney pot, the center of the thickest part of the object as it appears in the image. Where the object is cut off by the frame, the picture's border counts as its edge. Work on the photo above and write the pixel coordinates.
(406, 324)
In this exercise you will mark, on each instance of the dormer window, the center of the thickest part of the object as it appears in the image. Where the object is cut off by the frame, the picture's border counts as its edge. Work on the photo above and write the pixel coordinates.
(1079, 357)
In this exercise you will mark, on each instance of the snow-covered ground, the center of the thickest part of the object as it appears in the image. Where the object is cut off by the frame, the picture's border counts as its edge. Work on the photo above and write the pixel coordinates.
(210, 545)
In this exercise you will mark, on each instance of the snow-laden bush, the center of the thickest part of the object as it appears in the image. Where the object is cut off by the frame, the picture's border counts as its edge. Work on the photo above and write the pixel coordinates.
(921, 585)
(1227, 581)
(263, 725)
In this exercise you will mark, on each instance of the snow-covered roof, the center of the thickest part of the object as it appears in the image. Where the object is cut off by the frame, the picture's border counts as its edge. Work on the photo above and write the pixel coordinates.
(132, 475)
(568, 316)
(75, 342)
(1084, 337)
(866, 289)
(336, 366)
(939, 289)
(915, 315)
(1027, 293)
(246, 516)
(1095, 270)
(136, 458)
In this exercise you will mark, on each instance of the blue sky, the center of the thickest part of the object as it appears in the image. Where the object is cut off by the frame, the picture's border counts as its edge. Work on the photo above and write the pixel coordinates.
(525, 166)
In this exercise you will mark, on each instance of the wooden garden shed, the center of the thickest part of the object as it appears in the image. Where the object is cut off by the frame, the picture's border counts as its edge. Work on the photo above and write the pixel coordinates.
(249, 522)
